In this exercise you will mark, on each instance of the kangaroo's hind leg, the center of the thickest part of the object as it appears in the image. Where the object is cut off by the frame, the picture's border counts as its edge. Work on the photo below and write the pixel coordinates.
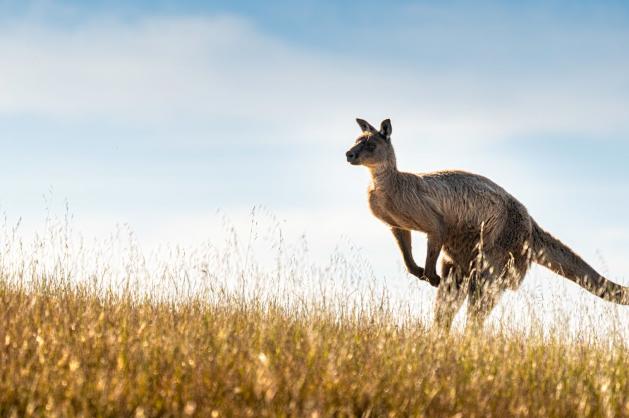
(494, 272)
(450, 295)
(487, 284)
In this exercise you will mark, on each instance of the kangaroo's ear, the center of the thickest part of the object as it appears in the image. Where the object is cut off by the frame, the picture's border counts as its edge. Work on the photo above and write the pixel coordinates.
(365, 126)
(386, 129)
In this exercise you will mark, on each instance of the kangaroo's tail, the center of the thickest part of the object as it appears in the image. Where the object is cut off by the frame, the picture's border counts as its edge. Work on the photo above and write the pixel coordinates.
(554, 255)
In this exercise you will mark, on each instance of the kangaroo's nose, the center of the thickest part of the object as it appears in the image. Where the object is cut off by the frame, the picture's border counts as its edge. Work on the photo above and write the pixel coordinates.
(350, 156)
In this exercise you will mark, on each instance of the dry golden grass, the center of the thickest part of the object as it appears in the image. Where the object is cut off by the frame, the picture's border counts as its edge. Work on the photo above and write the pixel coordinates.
(80, 348)
(66, 352)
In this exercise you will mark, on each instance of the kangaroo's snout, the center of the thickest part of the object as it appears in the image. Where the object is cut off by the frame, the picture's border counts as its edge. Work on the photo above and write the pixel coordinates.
(354, 155)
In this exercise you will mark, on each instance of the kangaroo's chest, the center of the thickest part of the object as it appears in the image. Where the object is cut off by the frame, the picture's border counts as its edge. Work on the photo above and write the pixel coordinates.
(380, 205)
(396, 211)
(385, 208)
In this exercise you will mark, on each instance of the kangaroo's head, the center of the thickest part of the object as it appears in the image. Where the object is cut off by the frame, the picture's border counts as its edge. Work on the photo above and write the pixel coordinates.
(373, 147)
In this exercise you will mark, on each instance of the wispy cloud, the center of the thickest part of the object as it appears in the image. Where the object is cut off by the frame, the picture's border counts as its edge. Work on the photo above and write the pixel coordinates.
(213, 71)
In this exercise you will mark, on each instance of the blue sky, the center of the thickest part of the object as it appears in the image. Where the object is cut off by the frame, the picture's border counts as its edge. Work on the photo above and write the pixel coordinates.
(160, 113)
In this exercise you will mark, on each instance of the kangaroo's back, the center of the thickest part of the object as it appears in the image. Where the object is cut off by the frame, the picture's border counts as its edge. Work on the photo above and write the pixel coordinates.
(468, 200)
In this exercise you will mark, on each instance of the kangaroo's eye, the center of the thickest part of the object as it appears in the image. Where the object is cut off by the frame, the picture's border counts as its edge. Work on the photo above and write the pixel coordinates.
(370, 146)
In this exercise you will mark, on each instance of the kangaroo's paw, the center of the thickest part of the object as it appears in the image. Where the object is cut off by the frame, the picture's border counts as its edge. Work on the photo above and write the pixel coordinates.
(433, 278)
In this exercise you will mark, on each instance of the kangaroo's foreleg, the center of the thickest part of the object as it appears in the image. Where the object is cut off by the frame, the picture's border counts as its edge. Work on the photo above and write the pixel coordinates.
(432, 255)
(403, 238)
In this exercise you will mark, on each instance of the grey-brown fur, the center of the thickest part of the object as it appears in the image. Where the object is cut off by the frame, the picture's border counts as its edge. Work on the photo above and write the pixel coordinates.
(486, 236)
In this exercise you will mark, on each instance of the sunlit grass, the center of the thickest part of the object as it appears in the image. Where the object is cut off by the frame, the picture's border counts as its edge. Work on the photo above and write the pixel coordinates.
(102, 330)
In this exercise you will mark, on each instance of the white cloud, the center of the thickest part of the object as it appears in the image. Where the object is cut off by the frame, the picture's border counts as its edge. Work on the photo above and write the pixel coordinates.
(217, 72)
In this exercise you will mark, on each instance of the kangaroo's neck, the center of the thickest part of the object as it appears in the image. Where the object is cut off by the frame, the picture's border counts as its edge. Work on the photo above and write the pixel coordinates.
(383, 175)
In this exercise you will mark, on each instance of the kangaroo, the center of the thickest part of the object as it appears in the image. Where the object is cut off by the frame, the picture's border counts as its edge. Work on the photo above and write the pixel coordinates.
(486, 236)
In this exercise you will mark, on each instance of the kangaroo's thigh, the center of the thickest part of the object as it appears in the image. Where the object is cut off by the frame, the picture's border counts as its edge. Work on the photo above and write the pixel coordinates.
(499, 269)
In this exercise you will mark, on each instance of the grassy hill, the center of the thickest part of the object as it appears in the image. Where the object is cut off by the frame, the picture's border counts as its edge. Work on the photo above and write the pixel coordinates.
(65, 351)
(104, 330)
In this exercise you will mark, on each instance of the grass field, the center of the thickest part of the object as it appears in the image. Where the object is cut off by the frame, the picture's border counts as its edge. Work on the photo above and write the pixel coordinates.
(75, 342)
